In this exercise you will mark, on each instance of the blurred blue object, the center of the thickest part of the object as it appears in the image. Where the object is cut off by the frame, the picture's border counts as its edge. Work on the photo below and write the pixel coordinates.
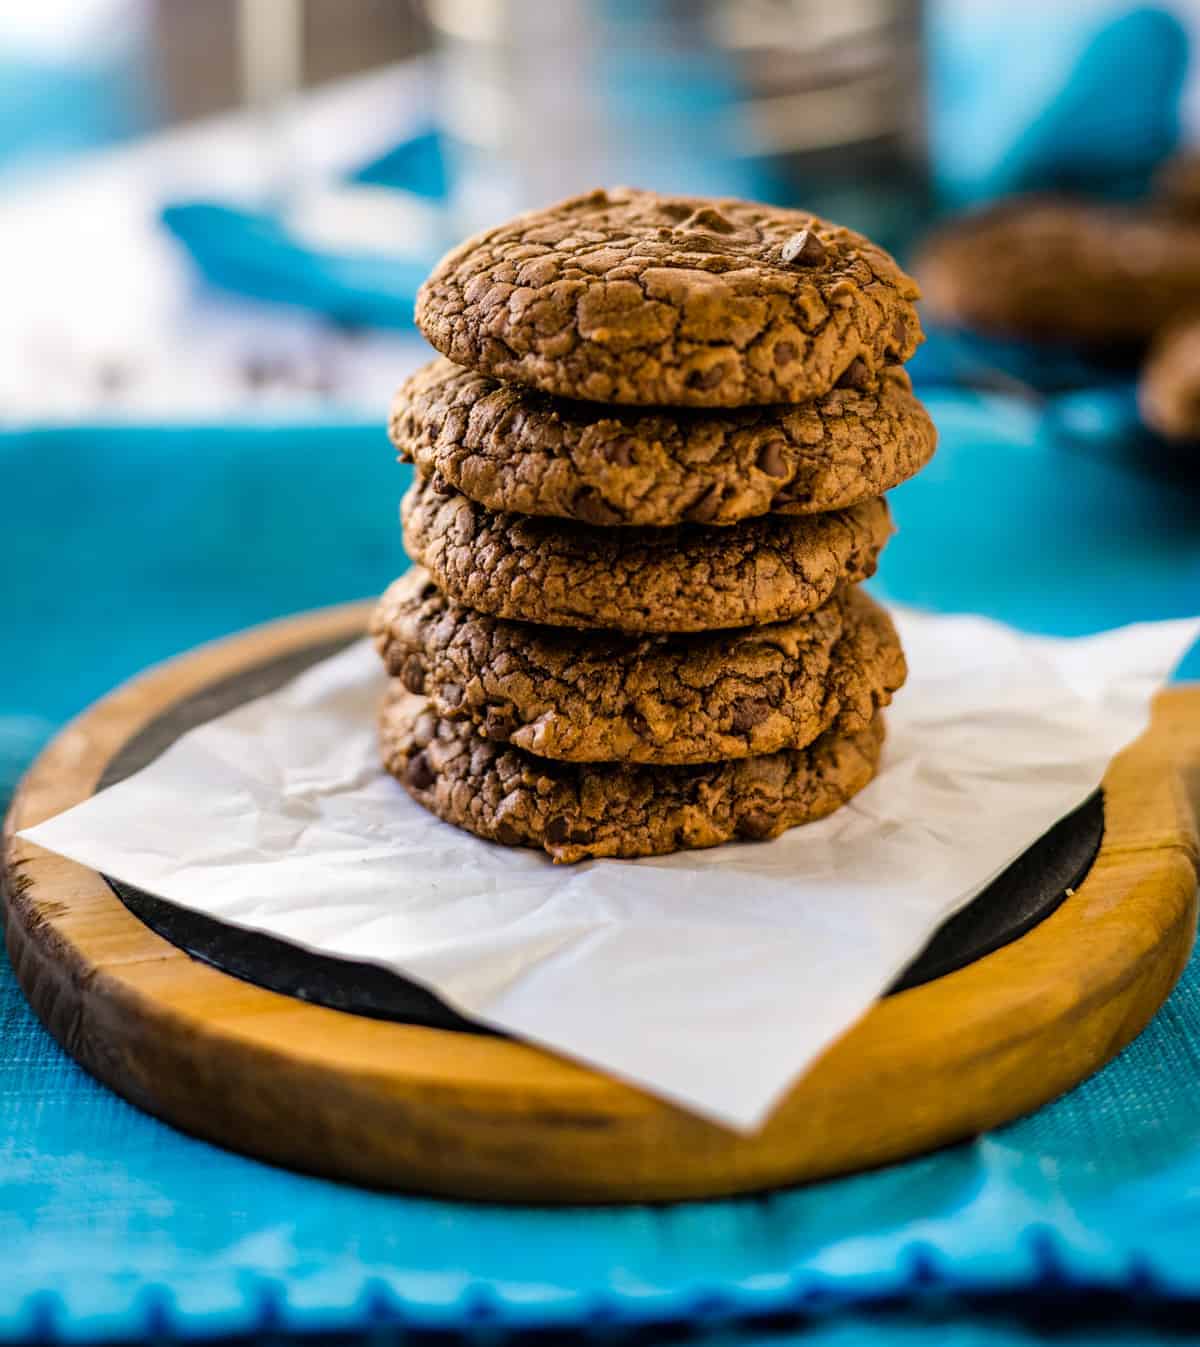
(124, 546)
(50, 110)
(1117, 117)
(1025, 98)
(416, 165)
(253, 253)
(78, 84)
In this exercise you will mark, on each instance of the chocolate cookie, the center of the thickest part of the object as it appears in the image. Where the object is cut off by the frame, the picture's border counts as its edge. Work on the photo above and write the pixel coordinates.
(512, 448)
(604, 697)
(1169, 385)
(689, 578)
(1044, 267)
(628, 296)
(575, 812)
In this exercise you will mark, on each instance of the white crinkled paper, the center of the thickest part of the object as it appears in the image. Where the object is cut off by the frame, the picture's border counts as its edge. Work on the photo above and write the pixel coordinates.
(711, 978)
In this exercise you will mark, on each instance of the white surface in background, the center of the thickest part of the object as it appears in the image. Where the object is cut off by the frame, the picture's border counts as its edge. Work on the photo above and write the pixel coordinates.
(63, 28)
(712, 978)
(104, 318)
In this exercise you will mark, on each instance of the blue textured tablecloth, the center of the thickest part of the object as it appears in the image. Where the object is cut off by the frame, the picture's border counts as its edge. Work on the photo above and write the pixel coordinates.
(126, 546)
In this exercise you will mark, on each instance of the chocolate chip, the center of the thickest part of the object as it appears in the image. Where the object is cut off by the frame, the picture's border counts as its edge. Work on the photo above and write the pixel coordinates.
(791, 493)
(598, 196)
(706, 507)
(706, 378)
(594, 509)
(558, 829)
(785, 352)
(506, 834)
(424, 729)
(804, 249)
(771, 460)
(899, 332)
(757, 825)
(675, 210)
(856, 375)
(498, 722)
(439, 485)
(419, 774)
(450, 695)
(619, 453)
(413, 674)
(707, 217)
(748, 712)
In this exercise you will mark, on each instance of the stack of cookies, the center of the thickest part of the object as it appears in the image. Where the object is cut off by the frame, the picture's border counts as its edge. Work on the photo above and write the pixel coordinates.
(651, 462)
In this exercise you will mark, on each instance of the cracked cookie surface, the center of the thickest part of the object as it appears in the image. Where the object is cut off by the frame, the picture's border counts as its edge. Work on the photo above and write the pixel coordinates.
(512, 448)
(688, 578)
(575, 811)
(631, 297)
(603, 697)
(1050, 267)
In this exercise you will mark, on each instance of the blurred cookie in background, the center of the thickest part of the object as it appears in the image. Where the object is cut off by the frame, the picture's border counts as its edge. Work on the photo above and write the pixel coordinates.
(1048, 267)
(1169, 384)
(1177, 183)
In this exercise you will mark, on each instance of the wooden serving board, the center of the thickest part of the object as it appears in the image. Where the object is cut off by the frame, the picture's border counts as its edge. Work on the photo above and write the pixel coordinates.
(409, 1106)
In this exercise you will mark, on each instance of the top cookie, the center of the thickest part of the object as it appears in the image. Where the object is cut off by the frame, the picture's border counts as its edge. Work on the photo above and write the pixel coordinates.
(632, 297)
(1054, 267)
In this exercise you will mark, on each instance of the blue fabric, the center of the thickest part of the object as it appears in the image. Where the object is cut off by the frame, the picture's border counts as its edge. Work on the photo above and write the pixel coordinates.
(416, 165)
(253, 253)
(1088, 102)
(125, 546)
(52, 107)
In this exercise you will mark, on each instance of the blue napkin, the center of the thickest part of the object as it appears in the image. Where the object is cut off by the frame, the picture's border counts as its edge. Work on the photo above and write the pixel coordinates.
(253, 253)
(114, 1226)
(1086, 100)
(416, 165)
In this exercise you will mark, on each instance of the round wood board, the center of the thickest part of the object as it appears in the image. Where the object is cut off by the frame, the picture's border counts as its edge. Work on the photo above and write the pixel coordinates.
(470, 1115)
